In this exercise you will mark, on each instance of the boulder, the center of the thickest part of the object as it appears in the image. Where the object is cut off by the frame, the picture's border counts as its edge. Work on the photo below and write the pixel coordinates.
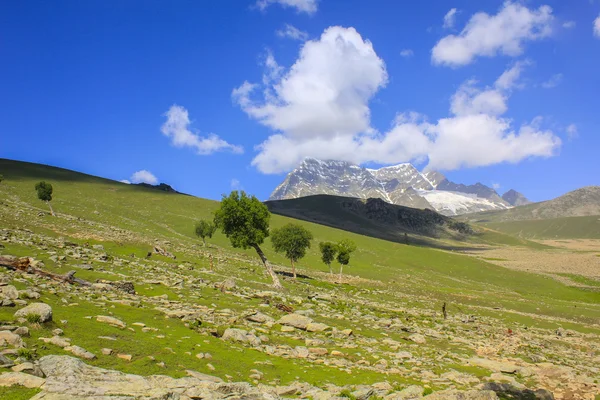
(41, 309)
(417, 338)
(11, 338)
(240, 335)
(9, 292)
(8, 379)
(295, 320)
(29, 368)
(80, 352)
(317, 327)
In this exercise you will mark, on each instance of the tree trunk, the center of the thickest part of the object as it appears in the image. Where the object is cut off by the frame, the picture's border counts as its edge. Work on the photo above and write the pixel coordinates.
(268, 267)
(341, 267)
(330, 269)
(293, 268)
(51, 210)
(204, 242)
(23, 264)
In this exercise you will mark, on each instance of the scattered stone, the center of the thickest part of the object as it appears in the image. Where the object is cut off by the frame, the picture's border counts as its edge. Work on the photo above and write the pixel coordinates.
(417, 338)
(80, 352)
(8, 379)
(29, 368)
(317, 327)
(11, 338)
(106, 352)
(9, 292)
(126, 357)
(111, 321)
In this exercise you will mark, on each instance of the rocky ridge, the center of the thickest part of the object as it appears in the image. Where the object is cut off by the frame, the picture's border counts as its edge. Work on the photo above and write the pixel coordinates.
(400, 184)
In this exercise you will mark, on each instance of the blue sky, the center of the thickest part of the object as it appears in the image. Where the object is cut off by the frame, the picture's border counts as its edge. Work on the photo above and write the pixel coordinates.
(187, 90)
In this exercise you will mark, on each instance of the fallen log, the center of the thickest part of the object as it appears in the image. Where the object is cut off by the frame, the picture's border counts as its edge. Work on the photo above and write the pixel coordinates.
(24, 264)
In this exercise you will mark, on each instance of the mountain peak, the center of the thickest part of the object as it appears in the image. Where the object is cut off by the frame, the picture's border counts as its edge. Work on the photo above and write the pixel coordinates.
(400, 184)
(515, 198)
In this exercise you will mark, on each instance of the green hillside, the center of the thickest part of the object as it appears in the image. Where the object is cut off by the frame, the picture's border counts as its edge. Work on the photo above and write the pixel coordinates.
(586, 227)
(384, 280)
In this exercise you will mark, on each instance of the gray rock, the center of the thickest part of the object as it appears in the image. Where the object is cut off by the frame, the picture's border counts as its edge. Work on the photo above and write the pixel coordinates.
(10, 292)
(295, 320)
(41, 309)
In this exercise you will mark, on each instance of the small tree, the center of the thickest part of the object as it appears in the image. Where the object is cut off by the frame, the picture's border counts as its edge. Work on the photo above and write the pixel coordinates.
(328, 252)
(293, 240)
(245, 221)
(44, 193)
(344, 248)
(205, 229)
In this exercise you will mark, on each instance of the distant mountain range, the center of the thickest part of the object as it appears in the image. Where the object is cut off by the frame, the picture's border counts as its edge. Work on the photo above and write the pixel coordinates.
(578, 203)
(400, 184)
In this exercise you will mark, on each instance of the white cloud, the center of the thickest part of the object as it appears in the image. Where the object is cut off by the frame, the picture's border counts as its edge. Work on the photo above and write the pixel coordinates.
(496, 186)
(450, 19)
(569, 24)
(306, 6)
(235, 184)
(597, 27)
(509, 78)
(553, 82)
(407, 53)
(572, 132)
(290, 31)
(125, 181)
(319, 108)
(177, 128)
(488, 35)
(325, 93)
(144, 176)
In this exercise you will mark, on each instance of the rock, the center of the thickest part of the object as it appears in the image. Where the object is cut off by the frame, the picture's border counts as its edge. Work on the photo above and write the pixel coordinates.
(41, 309)
(11, 338)
(22, 331)
(7, 303)
(5, 362)
(28, 294)
(453, 394)
(301, 352)
(57, 341)
(295, 320)
(126, 357)
(495, 366)
(57, 332)
(111, 321)
(403, 355)
(8, 379)
(106, 352)
(318, 351)
(317, 327)
(259, 317)
(240, 335)
(203, 377)
(29, 368)
(506, 390)
(80, 352)
(9, 292)
(228, 284)
(363, 394)
(411, 392)
(417, 338)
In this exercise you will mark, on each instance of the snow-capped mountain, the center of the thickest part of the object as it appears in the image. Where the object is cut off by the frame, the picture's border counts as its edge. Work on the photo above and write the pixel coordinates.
(400, 184)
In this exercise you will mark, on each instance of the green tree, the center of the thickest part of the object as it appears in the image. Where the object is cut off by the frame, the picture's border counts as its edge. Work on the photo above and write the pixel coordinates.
(205, 229)
(293, 240)
(44, 193)
(245, 221)
(344, 248)
(328, 252)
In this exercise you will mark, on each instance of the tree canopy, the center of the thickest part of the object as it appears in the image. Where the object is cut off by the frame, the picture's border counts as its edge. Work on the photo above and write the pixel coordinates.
(328, 252)
(344, 248)
(245, 221)
(44, 193)
(205, 229)
(293, 240)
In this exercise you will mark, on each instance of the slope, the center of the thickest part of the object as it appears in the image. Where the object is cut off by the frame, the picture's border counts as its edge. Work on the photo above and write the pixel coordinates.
(392, 292)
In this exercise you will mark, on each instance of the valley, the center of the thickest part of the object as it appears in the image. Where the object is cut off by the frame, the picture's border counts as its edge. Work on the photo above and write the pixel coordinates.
(205, 322)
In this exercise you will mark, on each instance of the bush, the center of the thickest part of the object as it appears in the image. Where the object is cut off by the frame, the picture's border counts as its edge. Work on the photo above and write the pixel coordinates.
(33, 318)
(25, 353)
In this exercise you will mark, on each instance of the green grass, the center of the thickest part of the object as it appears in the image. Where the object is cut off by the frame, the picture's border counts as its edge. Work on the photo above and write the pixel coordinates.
(128, 219)
(17, 393)
(587, 227)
